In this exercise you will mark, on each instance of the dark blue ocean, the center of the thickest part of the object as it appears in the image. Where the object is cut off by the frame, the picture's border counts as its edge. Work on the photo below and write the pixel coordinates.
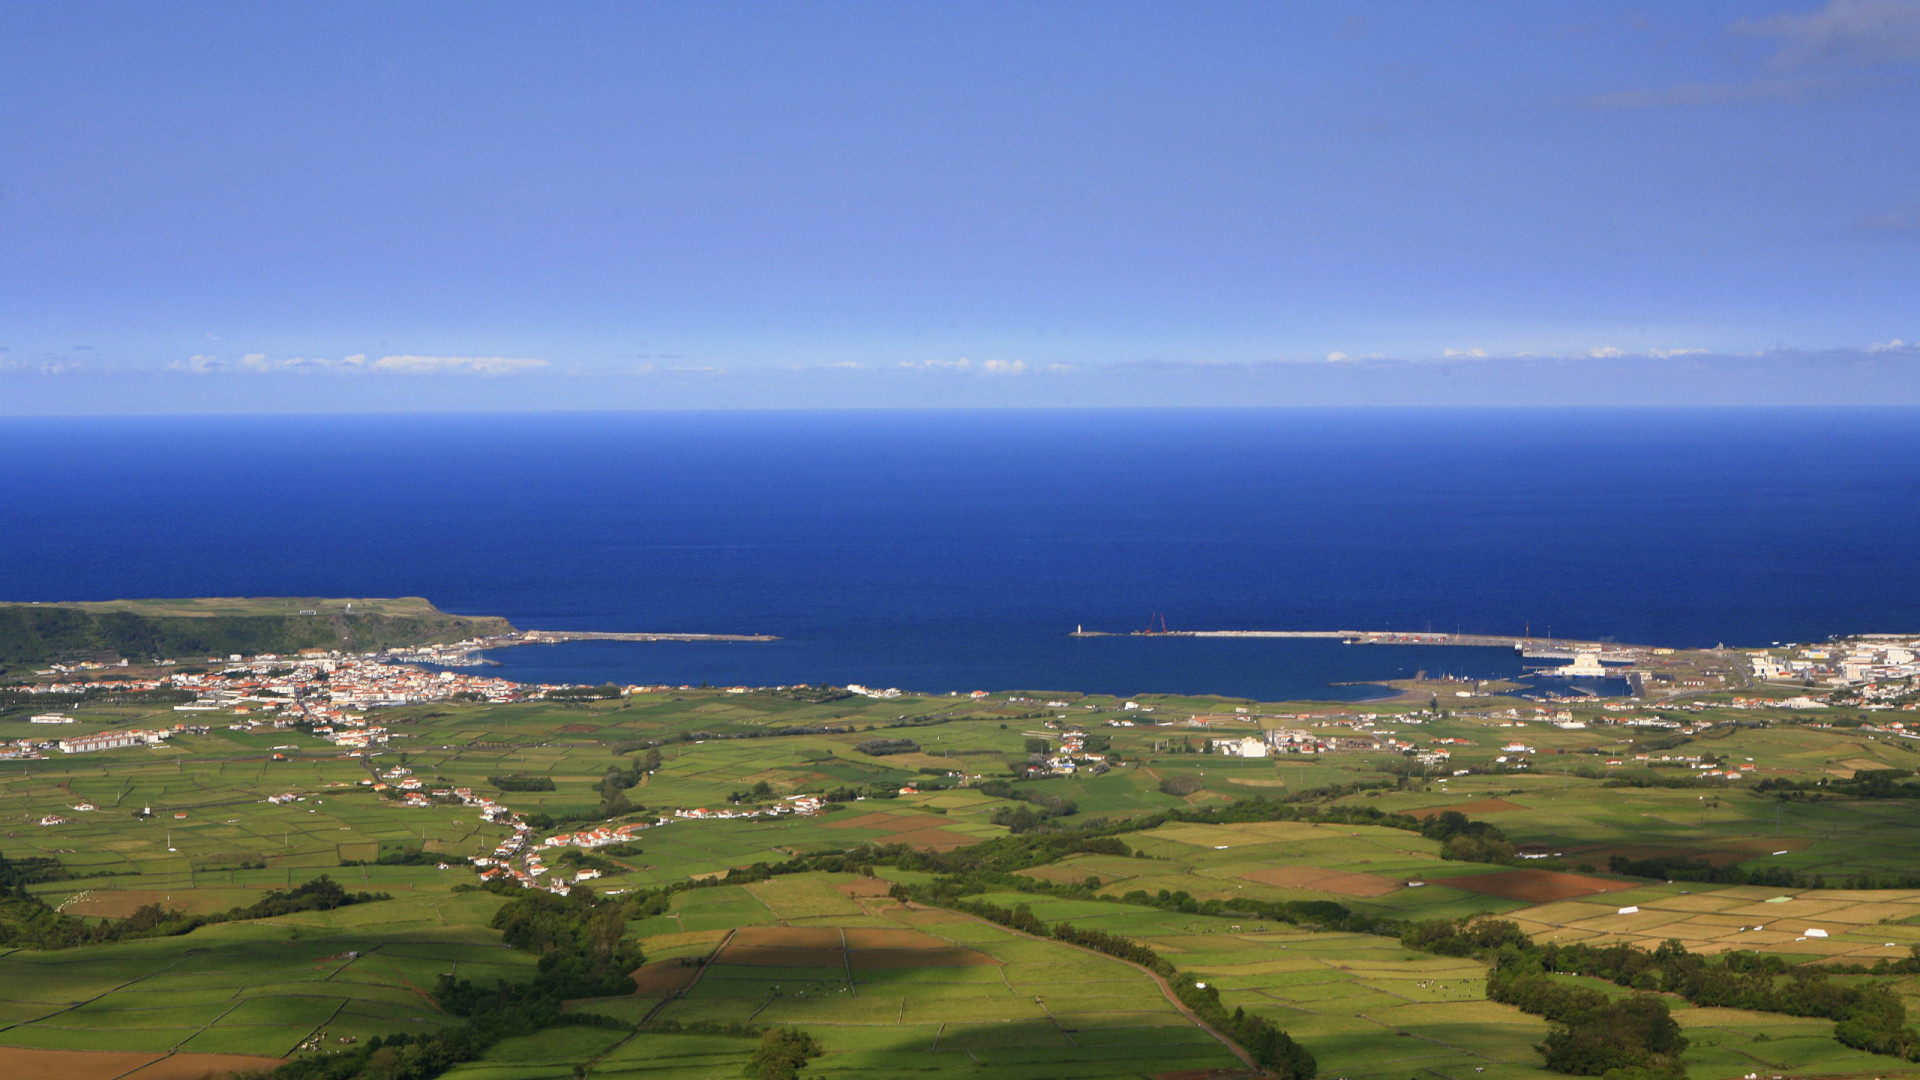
(945, 551)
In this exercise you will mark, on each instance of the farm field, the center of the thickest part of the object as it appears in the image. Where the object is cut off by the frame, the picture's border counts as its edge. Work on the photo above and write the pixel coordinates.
(893, 988)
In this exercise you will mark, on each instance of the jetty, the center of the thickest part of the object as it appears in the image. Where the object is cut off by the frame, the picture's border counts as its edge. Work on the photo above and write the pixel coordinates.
(555, 637)
(1530, 647)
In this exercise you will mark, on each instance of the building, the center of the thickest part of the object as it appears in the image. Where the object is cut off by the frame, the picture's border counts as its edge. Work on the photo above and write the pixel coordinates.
(1246, 747)
(109, 740)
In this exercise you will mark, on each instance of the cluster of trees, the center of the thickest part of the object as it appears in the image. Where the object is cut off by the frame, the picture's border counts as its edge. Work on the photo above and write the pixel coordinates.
(27, 922)
(1467, 840)
(1864, 784)
(614, 785)
(1043, 806)
(1866, 1016)
(883, 747)
(1271, 1047)
(521, 782)
(403, 856)
(1687, 868)
(31, 870)
(759, 792)
(782, 1053)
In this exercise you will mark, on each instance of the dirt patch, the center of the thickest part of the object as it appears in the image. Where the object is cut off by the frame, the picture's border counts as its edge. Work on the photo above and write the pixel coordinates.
(924, 761)
(22, 1063)
(895, 959)
(664, 978)
(120, 903)
(1478, 806)
(1534, 886)
(1321, 879)
(788, 937)
(579, 729)
(878, 820)
(203, 1066)
(873, 937)
(866, 887)
(762, 956)
(1202, 1074)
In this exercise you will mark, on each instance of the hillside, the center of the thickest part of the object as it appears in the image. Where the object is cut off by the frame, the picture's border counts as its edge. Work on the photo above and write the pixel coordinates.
(145, 629)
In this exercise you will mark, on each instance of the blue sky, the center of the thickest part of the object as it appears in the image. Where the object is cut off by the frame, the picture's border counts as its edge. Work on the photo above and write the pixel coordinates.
(292, 206)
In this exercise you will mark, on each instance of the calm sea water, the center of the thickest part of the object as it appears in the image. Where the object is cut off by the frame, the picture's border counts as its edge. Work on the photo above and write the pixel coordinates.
(953, 551)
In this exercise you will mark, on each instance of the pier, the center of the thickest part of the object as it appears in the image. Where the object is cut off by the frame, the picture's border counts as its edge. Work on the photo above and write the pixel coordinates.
(555, 637)
(1529, 647)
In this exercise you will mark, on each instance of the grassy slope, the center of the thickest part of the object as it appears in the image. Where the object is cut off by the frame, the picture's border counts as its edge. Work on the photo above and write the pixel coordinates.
(143, 629)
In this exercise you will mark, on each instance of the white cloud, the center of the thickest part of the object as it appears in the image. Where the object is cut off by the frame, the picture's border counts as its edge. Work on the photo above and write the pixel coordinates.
(1463, 353)
(1605, 352)
(1869, 31)
(1336, 356)
(1664, 354)
(206, 364)
(456, 365)
(1004, 367)
(1896, 345)
(200, 364)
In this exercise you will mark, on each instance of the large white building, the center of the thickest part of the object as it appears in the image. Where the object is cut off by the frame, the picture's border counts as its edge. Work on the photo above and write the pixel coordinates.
(1247, 747)
(109, 740)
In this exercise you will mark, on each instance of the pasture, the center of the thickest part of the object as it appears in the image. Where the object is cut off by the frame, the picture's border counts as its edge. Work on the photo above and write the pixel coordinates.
(898, 990)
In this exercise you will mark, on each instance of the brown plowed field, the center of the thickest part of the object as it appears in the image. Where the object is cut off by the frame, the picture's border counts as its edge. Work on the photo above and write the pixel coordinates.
(878, 820)
(22, 1063)
(760, 956)
(788, 937)
(664, 978)
(1478, 806)
(1533, 886)
(202, 1066)
(1319, 878)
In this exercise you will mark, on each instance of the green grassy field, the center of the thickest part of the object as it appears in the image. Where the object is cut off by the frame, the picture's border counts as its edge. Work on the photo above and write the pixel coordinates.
(1361, 1003)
